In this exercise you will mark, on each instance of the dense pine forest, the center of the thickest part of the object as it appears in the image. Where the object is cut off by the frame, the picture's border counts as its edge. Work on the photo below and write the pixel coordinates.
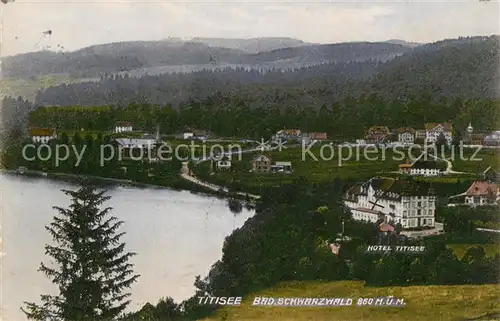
(238, 119)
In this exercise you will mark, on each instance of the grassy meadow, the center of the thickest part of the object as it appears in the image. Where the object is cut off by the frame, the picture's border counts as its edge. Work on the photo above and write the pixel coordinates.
(460, 249)
(423, 303)
(315, 168)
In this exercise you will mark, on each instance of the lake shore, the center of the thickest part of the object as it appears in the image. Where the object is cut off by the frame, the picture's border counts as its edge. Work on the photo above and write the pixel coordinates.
(68, 177)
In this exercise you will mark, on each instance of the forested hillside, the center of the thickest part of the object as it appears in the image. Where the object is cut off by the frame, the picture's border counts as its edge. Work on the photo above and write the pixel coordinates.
(454, 68)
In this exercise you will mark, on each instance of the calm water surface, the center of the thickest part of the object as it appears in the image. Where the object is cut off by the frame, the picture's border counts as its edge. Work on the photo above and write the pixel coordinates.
(176, 235)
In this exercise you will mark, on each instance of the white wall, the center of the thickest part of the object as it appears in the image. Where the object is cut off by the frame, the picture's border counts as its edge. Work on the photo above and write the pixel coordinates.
(406, 138)
(43, 139)
(121, 129)
(432, 135)
(425, 172)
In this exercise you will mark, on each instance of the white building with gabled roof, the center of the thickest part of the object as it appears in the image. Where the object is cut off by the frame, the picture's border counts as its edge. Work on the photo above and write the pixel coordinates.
(434, 130)
(411, 204)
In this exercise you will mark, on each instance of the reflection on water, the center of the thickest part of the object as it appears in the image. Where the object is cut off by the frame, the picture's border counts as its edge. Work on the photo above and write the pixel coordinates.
(176, 235)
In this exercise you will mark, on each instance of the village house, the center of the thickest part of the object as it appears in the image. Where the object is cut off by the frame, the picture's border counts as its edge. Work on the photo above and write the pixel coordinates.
(476, 139)
(406, 135)
(434, 130)
(308, 138)
(426, 168)
(377, 134)
(397, 201)
(261, 164)
(201, 134)
(422, 167)
(147, 146)
(493, 139)
(491, 175)
(188, 135)
(405, 169)
(136, 143)
(282, 167)
(481, 193)
(123, 127)
(286, 134)
(420, 135)
(195, 134)
(42, 135)
(317, 136)
(473, 137)
(224, 163)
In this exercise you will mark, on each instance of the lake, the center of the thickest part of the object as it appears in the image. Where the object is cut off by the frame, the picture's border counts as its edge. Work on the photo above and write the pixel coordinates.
(176, 235)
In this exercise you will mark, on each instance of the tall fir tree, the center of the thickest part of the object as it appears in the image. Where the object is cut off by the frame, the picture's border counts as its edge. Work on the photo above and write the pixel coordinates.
(93, 272)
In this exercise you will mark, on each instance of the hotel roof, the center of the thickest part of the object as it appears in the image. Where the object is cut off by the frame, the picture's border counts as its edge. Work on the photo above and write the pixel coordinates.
(390, 188)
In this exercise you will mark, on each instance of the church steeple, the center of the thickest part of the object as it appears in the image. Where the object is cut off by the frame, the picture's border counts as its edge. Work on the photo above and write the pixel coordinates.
(470, 129)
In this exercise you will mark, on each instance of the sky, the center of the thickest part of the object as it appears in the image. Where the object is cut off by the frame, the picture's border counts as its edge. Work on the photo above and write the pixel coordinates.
(78, 24)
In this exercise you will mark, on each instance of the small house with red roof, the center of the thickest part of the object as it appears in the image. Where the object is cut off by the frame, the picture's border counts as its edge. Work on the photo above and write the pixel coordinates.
(482, 193)
(377, 134)
(42, 135)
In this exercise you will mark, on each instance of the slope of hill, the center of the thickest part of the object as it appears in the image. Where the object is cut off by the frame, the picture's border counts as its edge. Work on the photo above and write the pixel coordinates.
(111, 58)
(460, 302)
(464, 65)
(342, 52)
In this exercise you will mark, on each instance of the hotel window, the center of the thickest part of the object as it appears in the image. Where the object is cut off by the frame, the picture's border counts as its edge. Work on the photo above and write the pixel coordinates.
(419, 204)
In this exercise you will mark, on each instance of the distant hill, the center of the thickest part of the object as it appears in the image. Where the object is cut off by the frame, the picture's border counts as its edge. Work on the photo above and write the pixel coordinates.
(253, 45)
(403, 43)
(465, 68)
(129, 56)
(113, 57)
(342, 52)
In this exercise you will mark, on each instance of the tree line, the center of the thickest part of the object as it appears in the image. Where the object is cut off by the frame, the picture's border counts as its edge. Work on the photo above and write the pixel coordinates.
(222, 116)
